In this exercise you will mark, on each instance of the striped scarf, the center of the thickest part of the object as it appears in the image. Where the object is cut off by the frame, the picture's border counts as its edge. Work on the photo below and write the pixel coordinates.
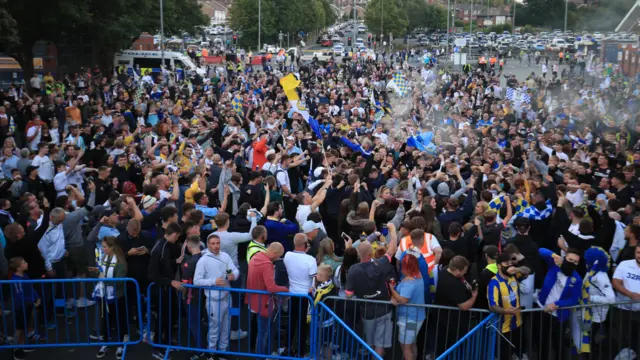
(599, 260)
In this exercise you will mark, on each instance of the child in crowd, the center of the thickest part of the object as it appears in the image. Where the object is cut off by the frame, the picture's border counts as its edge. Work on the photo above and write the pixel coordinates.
(24, 298)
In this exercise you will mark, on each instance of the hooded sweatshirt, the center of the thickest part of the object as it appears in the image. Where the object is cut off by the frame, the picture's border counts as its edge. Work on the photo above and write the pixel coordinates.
(262, 277)
(212, 267)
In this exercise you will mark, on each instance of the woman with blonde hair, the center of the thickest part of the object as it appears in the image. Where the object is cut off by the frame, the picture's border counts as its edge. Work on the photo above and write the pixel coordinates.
(326, 254)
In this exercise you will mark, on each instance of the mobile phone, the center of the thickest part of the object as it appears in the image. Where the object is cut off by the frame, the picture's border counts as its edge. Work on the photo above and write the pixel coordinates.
(344, 236)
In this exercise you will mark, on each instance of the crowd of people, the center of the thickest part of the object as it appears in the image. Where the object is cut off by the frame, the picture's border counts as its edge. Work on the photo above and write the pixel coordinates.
(507, 198)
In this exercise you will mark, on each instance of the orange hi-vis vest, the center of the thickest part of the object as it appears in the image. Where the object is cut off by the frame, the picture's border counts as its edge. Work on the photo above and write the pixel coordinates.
(492, 60)
(427, 253)
(482, 60)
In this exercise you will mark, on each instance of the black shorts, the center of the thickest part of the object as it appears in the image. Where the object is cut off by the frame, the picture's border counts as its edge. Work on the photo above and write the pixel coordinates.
(77, 261)
(23, 316)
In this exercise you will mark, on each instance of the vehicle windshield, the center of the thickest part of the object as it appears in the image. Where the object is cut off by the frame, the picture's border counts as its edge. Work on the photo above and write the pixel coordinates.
(187, 62)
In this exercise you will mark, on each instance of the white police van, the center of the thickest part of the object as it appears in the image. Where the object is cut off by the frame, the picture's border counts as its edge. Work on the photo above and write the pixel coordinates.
(151, 60)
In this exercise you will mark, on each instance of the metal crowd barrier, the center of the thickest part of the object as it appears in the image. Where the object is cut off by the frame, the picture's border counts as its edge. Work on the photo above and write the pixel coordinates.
(39, 309)
(335, 337)
(612, 333)
(478, 344)
(201, 319)
(441, 328)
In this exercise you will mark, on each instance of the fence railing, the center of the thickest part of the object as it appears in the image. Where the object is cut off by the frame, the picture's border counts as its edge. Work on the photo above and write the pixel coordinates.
(387, 327)
(478, 344)
(44, 313)
(228, 321)
(335, 337)
(594, 331)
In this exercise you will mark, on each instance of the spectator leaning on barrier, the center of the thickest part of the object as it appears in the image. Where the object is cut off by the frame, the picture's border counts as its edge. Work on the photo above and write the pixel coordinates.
(562, 287)
(261, 277)
(504, 299)
(369, 280)
(626, 282)
(216, 268)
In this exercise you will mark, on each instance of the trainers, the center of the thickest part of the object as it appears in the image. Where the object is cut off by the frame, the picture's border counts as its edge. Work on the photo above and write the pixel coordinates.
(94, 336)
(84, 302)
(51, 326)
(18, 354)
(197, 356)
(101, 352)
(159, 354)
(237, 335)
(119, 352)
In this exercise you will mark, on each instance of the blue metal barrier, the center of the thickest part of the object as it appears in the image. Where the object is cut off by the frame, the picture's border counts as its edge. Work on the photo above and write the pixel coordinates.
(432, 328)
(202, 318)
(478, 344)
(334, 336)
(37, 305)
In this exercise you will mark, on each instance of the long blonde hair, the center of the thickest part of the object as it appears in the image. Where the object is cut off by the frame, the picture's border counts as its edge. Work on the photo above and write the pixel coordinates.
(326, 247)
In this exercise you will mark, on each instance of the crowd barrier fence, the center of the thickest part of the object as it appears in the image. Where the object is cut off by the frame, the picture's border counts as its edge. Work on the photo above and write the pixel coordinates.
(44, 309)
(203, 319)
(612, 333)
(477, 344)
(433, 328)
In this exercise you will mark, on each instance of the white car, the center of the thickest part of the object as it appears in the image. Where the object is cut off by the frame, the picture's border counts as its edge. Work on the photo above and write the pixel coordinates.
(338, 49)
(335, 38)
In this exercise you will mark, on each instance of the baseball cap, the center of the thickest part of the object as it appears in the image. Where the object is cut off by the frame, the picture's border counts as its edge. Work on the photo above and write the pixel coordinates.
(309, 226)
(491, 251)
(148, 201)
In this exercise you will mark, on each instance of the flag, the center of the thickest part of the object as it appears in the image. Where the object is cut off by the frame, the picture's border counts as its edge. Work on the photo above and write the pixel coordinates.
(526, 98)
(411, 141)
(497, 203)
(532, 213)
(521, 204)
(138, 95)
(313, 123)
(511, 93)
(289, 83)
(236, 103)
(399, 84)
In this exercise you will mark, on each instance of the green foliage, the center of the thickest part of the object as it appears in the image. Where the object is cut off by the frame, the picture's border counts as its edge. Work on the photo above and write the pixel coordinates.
(420, 14)
(550, 14)
(288, 16)
(108, 25)
(498, 29)
(387, 14)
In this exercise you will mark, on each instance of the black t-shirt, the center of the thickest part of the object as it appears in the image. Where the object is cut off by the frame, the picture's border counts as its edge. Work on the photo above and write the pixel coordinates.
(451, 291)
(624, 195)
(600, 173)
(457, 246)
(369, 281)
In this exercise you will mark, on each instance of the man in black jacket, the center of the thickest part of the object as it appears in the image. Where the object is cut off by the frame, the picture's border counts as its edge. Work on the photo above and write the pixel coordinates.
(162, 266)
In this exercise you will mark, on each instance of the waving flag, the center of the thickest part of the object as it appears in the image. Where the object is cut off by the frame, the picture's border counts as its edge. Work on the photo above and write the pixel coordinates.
(511, 93)
(399, 84)
(236, 103)
(289, 83)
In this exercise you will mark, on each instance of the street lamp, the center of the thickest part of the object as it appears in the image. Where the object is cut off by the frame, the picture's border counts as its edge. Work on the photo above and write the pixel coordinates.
(161, 34)
(259, 23)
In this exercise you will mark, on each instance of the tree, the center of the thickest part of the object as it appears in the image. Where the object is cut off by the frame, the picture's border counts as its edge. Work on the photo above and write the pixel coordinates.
(109, 26)
(386, 16)
(330, 15)
(244, 18)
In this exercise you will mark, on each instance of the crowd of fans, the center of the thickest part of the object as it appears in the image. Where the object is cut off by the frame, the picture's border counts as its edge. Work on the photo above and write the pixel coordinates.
(506, 198)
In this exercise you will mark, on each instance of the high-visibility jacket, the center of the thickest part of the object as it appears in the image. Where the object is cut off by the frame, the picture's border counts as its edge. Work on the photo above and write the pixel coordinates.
(561, 55)
(253, 248)
(492, 60)
(427, 253)
(482, 60)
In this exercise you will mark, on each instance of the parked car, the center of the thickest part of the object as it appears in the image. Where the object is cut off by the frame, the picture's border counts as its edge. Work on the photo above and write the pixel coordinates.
(326, 43)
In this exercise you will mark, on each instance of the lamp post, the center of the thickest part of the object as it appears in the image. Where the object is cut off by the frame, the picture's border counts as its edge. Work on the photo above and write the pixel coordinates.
(566, 10)
(161, 34)
(448, 18)
(259, 23)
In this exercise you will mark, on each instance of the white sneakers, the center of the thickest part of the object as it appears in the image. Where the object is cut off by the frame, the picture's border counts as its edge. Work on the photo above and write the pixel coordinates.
(238, 335)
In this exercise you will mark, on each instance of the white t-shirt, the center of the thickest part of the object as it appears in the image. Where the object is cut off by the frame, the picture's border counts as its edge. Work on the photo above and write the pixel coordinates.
(35, 82)
(283, 177)
(556, 291)
(33, 144)
(60, 182)
(629, 272)
(269, 167)
(45, 167)
(301, 268)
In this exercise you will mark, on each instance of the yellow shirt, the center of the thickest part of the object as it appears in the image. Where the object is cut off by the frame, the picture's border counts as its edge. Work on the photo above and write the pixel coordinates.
(192, 190)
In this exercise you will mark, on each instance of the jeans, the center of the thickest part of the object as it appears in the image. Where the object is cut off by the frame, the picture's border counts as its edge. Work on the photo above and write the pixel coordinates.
(263, 338)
